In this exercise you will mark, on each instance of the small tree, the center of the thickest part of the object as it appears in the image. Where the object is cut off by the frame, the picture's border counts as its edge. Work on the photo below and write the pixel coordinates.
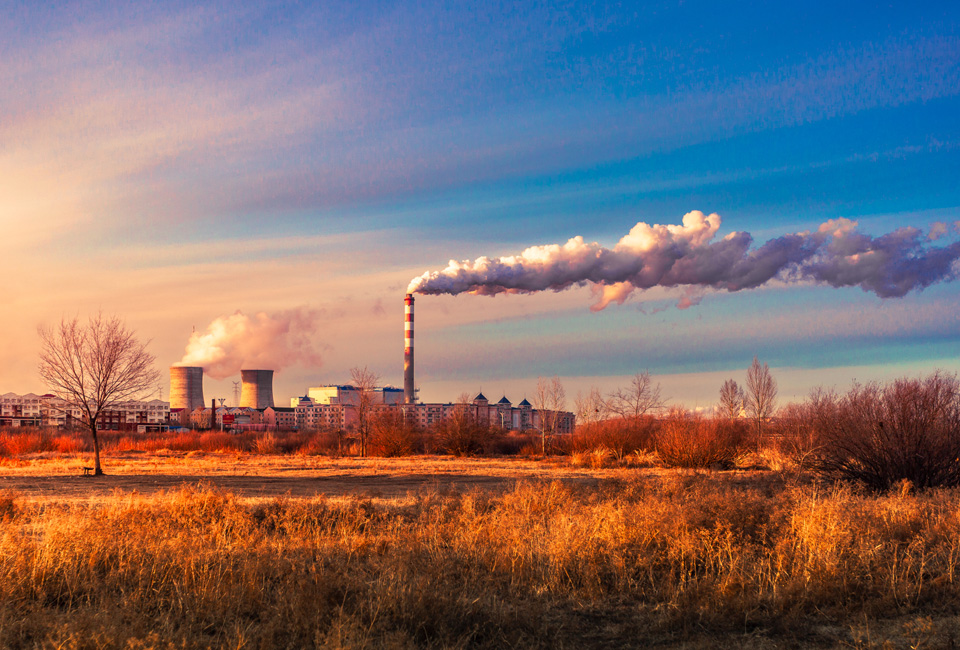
(732, 399)
(461, 434)
(589, 408)
(641, 397)
(94, 367)
(550, 400)
(761, 394)
(365, 381)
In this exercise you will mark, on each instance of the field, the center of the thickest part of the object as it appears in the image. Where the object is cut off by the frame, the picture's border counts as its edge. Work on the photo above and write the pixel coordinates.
(245, 550)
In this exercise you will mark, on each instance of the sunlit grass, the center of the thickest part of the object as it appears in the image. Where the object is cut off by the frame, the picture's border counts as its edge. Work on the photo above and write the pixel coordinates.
(690, 559)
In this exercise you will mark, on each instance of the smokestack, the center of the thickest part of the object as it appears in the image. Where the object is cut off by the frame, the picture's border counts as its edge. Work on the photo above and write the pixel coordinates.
(256, 390)
(186, 387)
(409, 388)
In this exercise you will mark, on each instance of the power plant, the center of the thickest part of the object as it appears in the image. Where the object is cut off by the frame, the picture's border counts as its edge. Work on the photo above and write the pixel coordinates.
(186, 387)
(256, 390)
(335, 407)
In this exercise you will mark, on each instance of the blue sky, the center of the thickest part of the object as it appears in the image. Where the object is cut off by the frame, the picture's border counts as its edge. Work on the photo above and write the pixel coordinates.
(176, 162)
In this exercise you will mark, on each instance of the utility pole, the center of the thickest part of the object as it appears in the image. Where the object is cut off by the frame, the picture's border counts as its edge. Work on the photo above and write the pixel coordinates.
(236, 393)
(222, 400)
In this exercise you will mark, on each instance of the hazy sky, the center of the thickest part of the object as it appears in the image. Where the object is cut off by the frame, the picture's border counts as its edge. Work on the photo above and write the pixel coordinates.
(174, 163)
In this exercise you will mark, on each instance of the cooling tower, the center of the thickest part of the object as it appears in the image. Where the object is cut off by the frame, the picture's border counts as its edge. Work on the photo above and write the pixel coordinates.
(409, 388)
(186, 387)
(257, 388)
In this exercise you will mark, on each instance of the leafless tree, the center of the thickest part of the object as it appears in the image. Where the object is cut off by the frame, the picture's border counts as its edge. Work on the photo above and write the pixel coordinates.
(550, 400)
(95, 366)
(761, 394)
(589, 408)
(365, 381)
(461, 434)
(641, 397)
(732, 399)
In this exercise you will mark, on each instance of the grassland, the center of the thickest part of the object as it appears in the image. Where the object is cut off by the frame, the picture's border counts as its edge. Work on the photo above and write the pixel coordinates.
(245, 550)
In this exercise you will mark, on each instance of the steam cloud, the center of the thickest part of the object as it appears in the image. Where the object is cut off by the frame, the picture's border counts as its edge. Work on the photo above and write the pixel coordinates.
(689, 256)
(262, 341)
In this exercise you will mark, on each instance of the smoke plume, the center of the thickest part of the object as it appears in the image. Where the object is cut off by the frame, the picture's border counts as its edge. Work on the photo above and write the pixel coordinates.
(261, 341)
(690, 256)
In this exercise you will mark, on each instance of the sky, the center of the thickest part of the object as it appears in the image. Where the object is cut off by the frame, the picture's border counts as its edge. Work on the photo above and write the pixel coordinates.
(299, 163)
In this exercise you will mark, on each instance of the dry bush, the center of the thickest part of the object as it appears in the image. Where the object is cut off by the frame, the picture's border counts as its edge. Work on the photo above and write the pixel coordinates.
(392, 435)
(621, 436)
(509, 443)
(319, 443)
(461, 435)
(597, 458)
(684, 440)
(17, 442)
(541, 565)
(881, 435)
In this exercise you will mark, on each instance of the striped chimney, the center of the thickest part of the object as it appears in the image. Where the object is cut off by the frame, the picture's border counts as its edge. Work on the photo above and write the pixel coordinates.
(409, 389)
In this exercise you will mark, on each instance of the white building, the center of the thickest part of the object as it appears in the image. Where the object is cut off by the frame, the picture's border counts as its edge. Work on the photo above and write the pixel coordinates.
(51, 411)
(334, 407)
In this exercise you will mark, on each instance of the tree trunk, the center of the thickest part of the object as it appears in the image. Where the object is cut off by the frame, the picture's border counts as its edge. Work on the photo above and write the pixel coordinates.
(97, 471)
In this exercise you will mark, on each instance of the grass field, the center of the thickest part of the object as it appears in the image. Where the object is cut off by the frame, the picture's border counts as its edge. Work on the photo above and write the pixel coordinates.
(196, 550)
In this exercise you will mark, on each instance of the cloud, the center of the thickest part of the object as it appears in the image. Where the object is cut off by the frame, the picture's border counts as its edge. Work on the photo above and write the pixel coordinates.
(688, 256)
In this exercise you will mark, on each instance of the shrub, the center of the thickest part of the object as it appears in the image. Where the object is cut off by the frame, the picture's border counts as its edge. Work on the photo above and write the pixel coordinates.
(689, 441)
(509, 443)
(620, 436)
(18, 443)
(882, 435)
(391, 435)
(319, 443)
(461, 435)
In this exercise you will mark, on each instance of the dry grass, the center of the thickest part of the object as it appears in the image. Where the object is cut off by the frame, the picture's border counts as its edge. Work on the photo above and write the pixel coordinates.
(685, 559)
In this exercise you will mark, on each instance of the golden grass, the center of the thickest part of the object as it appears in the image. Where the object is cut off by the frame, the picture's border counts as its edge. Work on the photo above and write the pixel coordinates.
(688, 559)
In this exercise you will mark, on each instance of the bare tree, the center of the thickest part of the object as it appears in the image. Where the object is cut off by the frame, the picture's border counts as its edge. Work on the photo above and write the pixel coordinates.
(641, 397)
(732, 399)
(589, 408)
(365, 381)
(461, 433)
(761, 394)
(94, 367)
(550, 400)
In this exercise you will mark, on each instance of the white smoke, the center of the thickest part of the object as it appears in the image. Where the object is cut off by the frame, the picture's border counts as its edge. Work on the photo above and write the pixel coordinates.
(261, 341)
(689, 256)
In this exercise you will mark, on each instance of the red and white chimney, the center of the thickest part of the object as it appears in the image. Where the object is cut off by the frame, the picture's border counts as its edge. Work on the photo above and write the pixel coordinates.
(409, 388)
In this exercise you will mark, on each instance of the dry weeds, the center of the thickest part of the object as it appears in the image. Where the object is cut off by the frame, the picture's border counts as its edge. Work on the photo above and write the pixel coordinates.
(667, 558)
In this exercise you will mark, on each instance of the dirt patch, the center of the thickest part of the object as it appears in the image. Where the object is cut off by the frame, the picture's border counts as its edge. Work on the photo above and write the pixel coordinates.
(253, 476)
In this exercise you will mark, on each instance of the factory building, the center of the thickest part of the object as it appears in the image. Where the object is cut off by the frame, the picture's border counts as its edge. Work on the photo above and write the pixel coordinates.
(346, 394)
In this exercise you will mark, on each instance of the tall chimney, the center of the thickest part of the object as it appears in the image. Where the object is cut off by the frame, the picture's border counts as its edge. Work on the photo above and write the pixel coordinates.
(409, 388)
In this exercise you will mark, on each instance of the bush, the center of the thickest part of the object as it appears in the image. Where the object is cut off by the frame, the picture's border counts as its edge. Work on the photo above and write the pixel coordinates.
(462, 435)
(882, 435)
(689, 441)
(509, 443)
(391, 435)
(619, 436)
